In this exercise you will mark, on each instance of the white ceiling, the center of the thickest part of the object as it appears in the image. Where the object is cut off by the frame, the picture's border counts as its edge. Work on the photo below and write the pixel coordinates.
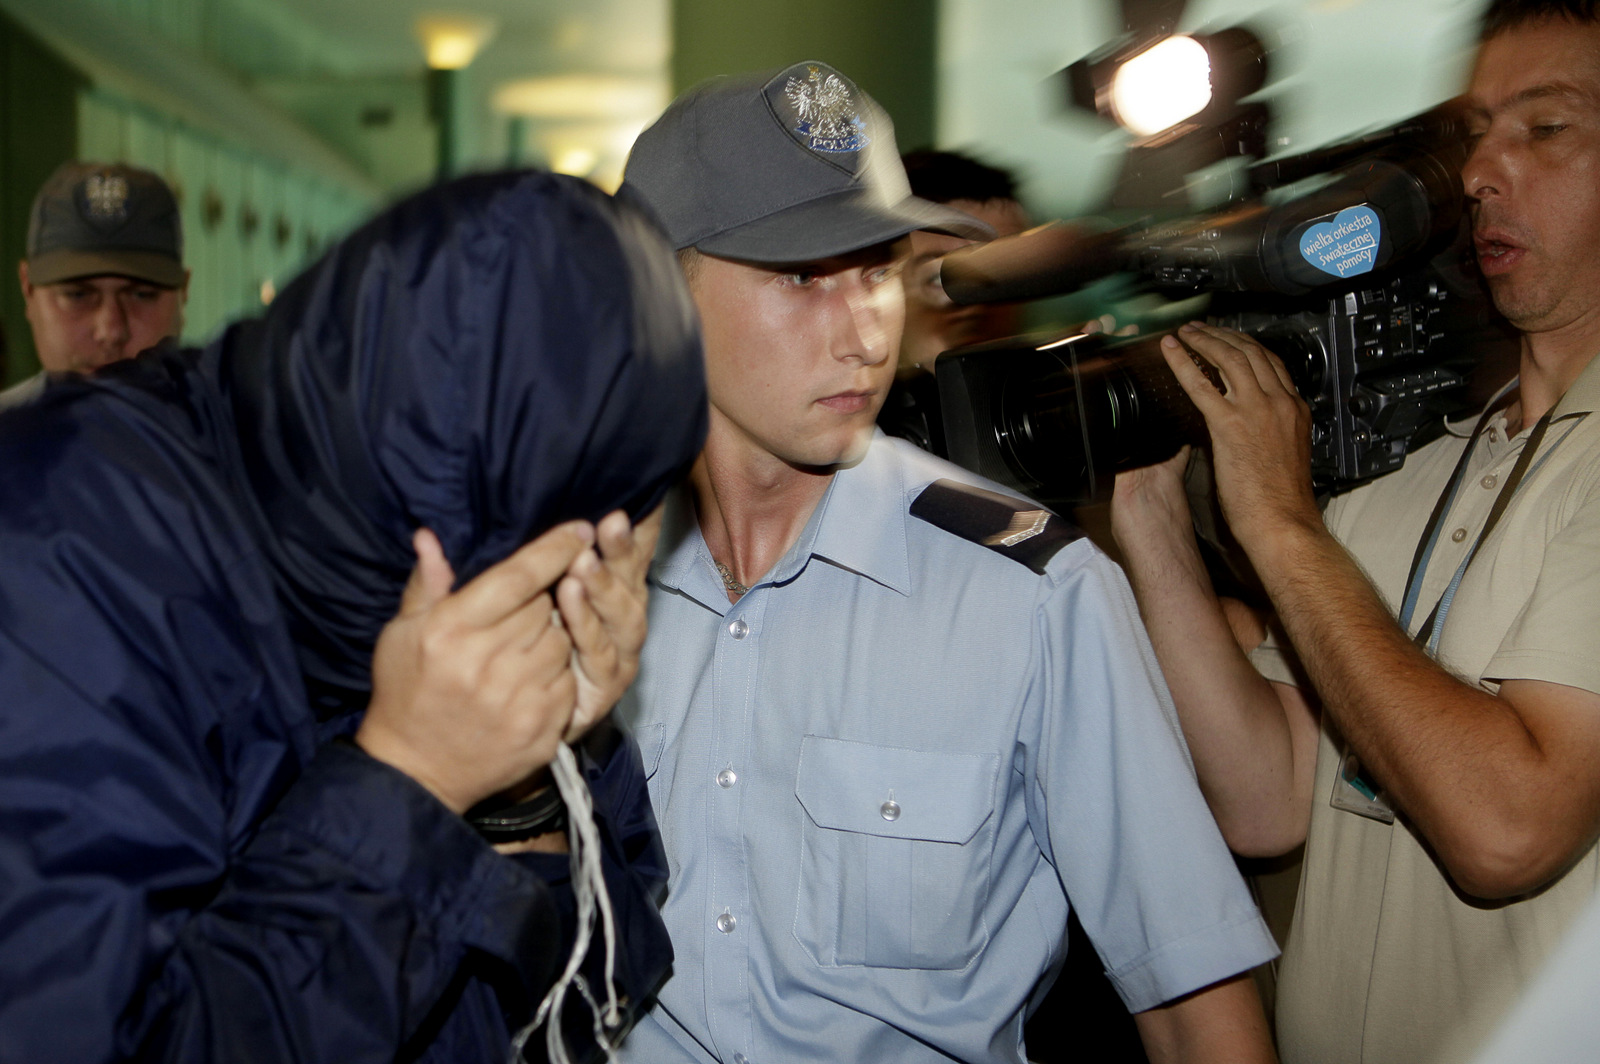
(534, 36)
(624, 42)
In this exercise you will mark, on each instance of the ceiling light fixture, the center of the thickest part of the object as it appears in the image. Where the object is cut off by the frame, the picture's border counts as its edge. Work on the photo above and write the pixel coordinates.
(581, 96)
(452, 42)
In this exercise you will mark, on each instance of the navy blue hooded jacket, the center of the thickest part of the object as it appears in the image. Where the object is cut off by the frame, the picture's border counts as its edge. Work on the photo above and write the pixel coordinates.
(197, 552)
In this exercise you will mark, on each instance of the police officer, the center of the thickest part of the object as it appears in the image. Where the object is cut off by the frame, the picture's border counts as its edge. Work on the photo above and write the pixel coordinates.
(895, 723)
(104, 278)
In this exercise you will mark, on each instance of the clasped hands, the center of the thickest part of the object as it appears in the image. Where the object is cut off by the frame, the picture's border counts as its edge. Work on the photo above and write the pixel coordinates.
(474, 689)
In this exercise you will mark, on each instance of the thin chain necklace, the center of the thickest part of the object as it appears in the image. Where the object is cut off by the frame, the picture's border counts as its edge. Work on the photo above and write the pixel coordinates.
(728, 581)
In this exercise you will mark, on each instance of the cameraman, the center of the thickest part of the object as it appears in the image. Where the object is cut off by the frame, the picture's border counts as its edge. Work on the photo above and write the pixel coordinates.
(1444, 771)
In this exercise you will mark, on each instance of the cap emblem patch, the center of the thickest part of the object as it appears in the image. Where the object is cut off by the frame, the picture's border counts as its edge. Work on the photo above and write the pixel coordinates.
(825, 115)
(107, 197)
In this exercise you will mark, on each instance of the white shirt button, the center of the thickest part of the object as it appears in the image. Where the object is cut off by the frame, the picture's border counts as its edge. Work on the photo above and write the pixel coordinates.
(727, 778)
(890, 810)
(740, 1058)
(1458, 535)
(1490, 481)
(739, 629)
(726, 923)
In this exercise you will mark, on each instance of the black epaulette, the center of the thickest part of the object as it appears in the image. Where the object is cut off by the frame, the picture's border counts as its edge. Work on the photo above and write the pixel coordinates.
(999, 522)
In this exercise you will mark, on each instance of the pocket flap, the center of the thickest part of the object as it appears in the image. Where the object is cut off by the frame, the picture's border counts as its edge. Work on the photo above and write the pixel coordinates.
(934, 797)
(651, 739)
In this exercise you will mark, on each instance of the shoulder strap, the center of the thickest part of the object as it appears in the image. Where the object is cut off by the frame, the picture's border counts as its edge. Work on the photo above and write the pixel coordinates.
(999, 522)
(1424, 636)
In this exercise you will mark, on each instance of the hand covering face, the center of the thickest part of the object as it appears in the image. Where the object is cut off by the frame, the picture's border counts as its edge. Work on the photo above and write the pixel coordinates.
(488, 359)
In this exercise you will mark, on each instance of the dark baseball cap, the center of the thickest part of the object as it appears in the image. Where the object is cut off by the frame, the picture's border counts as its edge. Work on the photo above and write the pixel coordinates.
(777, 168)
(91, 219)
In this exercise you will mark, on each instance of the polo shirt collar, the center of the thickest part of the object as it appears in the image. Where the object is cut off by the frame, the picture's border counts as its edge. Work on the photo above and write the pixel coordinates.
(1584, 395)
(1582, 398)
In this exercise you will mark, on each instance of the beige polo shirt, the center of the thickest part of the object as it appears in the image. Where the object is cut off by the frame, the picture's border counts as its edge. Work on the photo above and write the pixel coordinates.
(1386, 963)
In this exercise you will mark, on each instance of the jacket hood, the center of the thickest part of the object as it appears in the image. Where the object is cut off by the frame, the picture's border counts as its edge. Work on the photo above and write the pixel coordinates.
(487, 359)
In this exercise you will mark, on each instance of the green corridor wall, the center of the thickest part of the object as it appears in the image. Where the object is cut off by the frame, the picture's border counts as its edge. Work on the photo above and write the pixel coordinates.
(249, 223)
(38, 132)
(886, 46)
(139, 82)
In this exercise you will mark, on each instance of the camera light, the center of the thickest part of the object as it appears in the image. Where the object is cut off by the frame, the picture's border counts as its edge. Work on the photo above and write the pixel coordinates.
(1162, 85)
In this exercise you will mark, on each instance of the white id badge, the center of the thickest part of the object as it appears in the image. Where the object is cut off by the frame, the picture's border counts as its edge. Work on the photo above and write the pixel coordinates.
(1354, 793)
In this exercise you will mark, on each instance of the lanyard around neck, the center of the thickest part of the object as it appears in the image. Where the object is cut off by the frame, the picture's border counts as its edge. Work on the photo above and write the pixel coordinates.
(1430, 534)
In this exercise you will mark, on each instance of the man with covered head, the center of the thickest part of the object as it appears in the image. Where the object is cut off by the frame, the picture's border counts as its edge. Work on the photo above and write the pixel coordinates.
(291, 626)
(894, 721)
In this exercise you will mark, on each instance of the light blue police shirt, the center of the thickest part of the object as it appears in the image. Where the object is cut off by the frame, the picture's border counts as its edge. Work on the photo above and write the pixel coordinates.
(881, 775)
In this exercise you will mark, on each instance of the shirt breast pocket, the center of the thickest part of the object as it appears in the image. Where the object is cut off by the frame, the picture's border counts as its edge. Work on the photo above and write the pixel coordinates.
(895, 854)
(652, 739)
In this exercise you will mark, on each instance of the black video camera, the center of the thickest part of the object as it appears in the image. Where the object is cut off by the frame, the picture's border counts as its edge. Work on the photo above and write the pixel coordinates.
(1357, 285)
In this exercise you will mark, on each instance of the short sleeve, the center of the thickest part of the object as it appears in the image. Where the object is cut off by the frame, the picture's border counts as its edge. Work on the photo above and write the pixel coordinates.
(1137, 850)
(1556, 636)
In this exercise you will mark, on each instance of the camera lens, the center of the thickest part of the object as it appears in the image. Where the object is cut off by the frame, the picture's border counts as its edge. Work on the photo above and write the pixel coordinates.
(1067, 419)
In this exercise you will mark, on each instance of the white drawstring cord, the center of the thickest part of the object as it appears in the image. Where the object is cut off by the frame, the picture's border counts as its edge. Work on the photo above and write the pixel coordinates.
(589, 889)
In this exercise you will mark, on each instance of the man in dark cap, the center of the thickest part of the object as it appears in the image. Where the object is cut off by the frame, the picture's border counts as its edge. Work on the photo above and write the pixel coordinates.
(894, 720)
(104, 277)
(287, 623)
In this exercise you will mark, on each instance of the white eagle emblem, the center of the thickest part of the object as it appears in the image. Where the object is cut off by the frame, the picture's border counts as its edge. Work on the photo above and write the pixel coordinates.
(107, 195)
(826, 115)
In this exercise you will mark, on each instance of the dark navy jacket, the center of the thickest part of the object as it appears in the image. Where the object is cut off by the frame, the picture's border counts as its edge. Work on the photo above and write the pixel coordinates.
(197, 552)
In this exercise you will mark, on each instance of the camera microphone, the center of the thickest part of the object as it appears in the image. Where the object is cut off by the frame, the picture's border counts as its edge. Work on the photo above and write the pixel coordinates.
(1369, 213)
(1044, 261)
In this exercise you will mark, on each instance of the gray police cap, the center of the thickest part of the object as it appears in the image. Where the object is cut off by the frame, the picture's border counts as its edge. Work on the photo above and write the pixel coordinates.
(779, 168)
(90, 219)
